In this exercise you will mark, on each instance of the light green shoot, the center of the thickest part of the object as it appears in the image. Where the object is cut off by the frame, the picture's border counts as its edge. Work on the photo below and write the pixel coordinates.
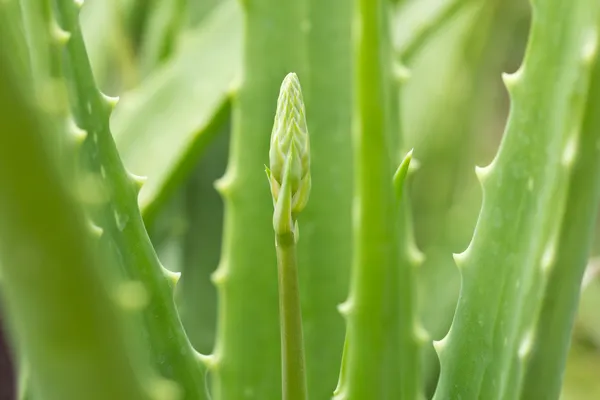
(289, 176)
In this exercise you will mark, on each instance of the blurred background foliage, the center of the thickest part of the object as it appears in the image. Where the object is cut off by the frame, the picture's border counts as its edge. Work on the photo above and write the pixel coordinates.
(175, 62)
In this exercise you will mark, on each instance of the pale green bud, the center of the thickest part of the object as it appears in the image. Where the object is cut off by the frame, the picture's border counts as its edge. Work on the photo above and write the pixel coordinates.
(289, 155)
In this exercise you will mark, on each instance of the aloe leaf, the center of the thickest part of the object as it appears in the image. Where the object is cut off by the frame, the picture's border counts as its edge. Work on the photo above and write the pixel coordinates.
(163, 27)
(545, 365)
(426, 27)
(202, 246)
(381, 357)
(325, 248)
(111, 195)
(505, 268)
(466, 58)
(162, 126)
(62, 318)
(110, 44)
(248, 330)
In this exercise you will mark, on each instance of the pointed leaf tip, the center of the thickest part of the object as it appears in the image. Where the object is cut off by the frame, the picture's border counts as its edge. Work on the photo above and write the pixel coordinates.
(400, 175)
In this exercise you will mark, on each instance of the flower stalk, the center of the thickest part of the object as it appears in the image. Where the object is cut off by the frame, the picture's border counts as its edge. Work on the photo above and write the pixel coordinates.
(289, 177)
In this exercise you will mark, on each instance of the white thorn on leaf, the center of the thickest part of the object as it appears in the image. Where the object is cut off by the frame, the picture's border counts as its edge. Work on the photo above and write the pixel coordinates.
(483, 172)
(345, 308)
(172, 276)
(461, 258)
(210, 361)
(224, 184)
(137, 180)
(511, 80)
(219, 277)
(440, 345)
(401, 73)
(95, 230)
(59, 35)
(111, 101)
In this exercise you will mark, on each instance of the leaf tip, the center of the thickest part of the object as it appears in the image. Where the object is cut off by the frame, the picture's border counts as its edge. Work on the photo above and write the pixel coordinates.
(400, 174)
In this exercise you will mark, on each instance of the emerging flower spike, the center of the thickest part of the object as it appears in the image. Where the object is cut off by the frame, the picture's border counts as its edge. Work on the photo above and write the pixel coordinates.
(289, 157)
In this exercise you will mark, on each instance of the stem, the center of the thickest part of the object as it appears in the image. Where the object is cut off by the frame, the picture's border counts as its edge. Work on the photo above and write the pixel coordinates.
(274, 45)
(293, 367)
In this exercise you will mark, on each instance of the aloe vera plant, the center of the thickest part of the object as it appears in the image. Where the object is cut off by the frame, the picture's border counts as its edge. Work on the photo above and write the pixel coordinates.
(308, 294)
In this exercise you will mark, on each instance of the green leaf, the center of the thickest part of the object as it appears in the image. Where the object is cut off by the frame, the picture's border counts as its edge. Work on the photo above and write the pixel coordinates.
(162, 126)
(505, 268)
(247, 352)
(63, 319)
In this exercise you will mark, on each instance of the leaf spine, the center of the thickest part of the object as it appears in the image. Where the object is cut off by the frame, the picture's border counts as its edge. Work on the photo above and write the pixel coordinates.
(440, 345)
(137, 180)
(172, 276)
(95, 230)
(224, 185)
(460, 259)
(401, 73)
(59, 35)
(219, 277)
(345, 308)
(110, 101)
(511, 80)
(76, 132)
(483, 173)
(210, 361)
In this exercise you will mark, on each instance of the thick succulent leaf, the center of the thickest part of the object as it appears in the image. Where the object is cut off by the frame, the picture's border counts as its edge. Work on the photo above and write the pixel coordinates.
(246, 279)
(505, 268)
(62, 316)
(163, 125)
